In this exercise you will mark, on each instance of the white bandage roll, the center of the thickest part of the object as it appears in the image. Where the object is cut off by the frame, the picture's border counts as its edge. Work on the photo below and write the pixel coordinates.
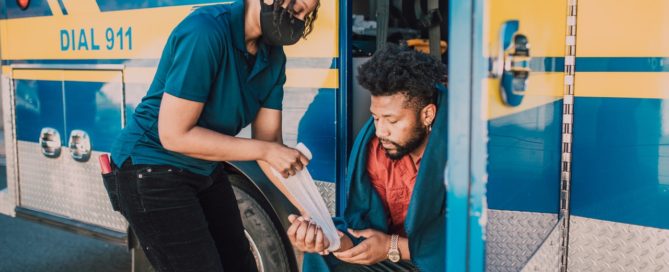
(302, 187)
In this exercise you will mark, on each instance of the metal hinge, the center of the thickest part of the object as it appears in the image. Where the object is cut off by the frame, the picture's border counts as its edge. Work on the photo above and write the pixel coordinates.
(567, 131)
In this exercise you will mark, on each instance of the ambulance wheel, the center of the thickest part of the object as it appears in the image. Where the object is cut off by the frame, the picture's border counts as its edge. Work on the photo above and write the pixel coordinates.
(266, 242)
(139, 261)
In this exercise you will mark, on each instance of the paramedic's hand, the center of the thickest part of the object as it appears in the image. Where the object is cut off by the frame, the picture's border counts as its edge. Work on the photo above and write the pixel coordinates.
(285, 160)
(307, 236)
(372, 250)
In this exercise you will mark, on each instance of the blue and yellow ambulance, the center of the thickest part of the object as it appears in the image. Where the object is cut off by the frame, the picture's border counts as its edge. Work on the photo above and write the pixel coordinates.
(558, 138)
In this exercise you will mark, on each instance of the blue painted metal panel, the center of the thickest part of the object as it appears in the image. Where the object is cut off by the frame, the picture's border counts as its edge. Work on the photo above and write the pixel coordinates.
(479, 139)
(96, 109)
(317, 130)
(10, 9)
(39, 104)
(617, 171)
(524, 160)
(344, 141)
(622, 64)
(459, 118)
(547, 64)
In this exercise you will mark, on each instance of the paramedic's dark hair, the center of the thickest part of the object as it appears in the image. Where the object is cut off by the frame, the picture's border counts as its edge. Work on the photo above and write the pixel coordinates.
(399, 69)
(308, 20)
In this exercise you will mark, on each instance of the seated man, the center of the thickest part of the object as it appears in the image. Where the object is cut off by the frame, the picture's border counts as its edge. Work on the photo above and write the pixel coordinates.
(395, 213)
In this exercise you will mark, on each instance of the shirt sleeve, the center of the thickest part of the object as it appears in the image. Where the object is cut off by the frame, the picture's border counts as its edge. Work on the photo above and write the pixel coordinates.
(197, 48)
(275, 98)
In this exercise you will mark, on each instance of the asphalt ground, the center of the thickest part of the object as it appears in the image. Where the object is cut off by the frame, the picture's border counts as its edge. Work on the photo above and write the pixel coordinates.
(30, 246)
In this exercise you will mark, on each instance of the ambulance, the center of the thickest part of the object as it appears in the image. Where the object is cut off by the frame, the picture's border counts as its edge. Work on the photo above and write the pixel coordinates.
(558, 137)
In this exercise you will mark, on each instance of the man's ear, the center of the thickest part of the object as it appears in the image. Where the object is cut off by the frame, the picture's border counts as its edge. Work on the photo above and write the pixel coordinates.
(427, 114)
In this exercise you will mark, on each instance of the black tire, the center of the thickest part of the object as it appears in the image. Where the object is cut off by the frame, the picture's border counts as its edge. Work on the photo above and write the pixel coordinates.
(266, 242)
(139, 261)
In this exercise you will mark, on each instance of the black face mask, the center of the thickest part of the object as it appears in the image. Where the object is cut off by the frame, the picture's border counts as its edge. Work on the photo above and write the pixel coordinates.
(287, 31)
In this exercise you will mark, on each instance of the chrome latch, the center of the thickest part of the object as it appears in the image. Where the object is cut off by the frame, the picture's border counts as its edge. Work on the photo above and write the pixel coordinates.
(49, 141)
(80, 145)
(512, 65)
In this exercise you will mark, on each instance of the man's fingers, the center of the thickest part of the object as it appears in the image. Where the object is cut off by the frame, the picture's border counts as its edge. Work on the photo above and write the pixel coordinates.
(318, 242)
(292, 230)
(362, 258)
(292, 218)
(301, 232)
(297, 226)
(310, 237)
(354, 251)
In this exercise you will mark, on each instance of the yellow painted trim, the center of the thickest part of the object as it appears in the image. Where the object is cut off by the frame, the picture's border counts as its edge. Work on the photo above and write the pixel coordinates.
(68, 75)
(75, 7)
(623, 85)
(55, 8)
(622, 28)
(543, 22)
(312, 78)
(6, 70)
(40, 37)
(544, 88)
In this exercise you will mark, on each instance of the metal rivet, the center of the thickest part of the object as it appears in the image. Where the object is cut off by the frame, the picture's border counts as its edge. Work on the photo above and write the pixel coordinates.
(148, 170)
(140, 176)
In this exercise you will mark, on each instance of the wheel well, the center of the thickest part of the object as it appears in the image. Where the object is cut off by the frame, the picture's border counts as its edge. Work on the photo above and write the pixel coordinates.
(253, 187)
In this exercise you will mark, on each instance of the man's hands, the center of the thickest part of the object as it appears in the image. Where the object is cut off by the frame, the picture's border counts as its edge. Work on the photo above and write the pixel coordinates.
(370, 251)
(307, 236)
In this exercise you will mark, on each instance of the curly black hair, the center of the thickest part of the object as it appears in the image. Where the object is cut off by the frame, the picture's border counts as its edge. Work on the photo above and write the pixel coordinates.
(399, 69)
(308, 20)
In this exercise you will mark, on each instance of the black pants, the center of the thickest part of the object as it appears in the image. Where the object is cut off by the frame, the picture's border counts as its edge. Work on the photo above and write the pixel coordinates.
(383, 266)
(184, 221)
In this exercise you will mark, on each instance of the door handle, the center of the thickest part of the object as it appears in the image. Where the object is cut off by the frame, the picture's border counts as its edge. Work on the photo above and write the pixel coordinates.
(49, 141)
(80, 145)
(512, 64)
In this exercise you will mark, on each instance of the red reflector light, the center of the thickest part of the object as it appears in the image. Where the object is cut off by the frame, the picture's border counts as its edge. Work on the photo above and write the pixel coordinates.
(23, 4)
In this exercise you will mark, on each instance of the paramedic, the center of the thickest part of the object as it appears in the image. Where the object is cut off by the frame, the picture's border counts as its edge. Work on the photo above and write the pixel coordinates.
(222, 68)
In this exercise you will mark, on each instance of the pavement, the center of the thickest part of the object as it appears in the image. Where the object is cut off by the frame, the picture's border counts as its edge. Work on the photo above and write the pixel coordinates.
(29, 246)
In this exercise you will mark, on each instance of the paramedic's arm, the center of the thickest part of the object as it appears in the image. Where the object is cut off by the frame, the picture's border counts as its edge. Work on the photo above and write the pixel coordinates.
(178, 132)
(267, 127)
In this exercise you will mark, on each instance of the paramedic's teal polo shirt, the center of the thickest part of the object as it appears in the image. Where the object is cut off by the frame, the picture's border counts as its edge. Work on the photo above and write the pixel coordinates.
(205, 60)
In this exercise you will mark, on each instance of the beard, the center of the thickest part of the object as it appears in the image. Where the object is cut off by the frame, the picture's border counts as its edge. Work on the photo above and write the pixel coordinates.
(418, 134)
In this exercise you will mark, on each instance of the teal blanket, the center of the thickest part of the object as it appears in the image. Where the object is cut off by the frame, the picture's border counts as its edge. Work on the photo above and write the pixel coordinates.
(425, 221)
